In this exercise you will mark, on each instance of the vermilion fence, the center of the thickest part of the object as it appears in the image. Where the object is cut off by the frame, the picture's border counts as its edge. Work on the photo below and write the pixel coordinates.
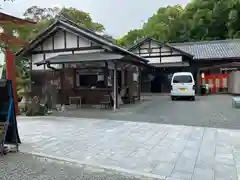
(216, 82)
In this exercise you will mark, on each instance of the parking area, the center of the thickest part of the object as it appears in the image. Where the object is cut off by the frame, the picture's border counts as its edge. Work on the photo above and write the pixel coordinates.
(207, 111)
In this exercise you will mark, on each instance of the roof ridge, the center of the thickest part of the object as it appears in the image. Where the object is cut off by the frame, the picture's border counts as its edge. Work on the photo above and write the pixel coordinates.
(65, 19)
(204, 42)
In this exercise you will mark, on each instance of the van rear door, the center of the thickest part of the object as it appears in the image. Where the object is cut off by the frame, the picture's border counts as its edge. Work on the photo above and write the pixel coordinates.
(183, 83)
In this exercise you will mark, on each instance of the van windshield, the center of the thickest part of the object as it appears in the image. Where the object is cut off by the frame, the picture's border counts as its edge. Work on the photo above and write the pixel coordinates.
(182, 79)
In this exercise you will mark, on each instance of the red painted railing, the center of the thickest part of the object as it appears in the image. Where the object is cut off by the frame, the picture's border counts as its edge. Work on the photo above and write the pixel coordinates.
(216, 82)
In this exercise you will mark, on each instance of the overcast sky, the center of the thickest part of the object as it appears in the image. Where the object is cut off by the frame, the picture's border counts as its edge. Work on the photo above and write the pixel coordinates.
(117, 16)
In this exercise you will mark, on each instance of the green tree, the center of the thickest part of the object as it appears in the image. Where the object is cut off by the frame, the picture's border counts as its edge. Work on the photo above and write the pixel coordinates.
(131, 37)
(199, 20)
(45, 16)
(82, 19)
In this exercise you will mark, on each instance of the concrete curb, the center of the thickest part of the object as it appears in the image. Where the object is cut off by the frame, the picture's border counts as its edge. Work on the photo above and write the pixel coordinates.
(101, 168)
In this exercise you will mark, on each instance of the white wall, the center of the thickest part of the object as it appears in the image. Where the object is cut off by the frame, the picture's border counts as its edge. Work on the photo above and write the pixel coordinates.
(71, 41)
(172, 59)
(154, 60)
(59, 40)
(39, 57)
(165, 51)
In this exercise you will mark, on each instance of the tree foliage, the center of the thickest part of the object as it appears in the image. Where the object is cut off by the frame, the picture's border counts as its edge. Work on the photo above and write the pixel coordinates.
(45, 16)
(199, 20)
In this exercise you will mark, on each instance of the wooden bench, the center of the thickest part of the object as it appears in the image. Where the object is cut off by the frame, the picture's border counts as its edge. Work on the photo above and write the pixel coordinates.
(77, 99)
(106, 102)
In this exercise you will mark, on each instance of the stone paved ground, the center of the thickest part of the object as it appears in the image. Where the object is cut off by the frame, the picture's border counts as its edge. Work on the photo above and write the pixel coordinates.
(207, 111)
(171, 152)
(27, 167)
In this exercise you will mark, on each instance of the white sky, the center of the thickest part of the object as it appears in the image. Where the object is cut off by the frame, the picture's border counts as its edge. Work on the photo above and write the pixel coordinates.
(117, 16)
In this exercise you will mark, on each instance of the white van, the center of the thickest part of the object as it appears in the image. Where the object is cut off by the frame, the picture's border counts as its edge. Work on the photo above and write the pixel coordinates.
(182, 85)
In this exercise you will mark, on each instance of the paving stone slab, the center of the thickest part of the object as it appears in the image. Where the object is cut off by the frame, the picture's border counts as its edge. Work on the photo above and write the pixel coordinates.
(166, 150)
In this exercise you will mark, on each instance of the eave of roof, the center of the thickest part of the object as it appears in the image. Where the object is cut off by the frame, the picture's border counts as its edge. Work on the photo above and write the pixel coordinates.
(6, 17)
(63, 22)
(81, 57)
(94, 57)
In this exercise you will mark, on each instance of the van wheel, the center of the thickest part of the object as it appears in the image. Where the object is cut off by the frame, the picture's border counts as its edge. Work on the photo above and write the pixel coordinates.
(173, 98)
(193, 98)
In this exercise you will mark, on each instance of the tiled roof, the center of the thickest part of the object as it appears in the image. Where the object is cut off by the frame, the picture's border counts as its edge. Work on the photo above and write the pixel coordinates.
(66, 24)
(218, 49)
(81, 57)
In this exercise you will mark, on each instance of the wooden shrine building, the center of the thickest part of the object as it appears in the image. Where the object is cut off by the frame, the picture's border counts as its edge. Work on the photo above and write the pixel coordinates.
(164, 60)
(204, 57)
(80, 63)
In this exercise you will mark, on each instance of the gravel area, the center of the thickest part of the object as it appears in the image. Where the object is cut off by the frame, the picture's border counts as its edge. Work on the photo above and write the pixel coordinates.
(21, 166)
(207, 111)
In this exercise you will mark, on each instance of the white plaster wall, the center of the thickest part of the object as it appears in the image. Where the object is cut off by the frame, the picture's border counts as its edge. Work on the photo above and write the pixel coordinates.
(156, 51)
(154, 44)
(145, 45)
(88, 51)
(165, 53)
(165, 49)
(37, 58)
(59, 40)
(144, 51)
(154, 60)
(71, 40)
(84, 42)
(175, 53)
(47, 44)
(172, 59)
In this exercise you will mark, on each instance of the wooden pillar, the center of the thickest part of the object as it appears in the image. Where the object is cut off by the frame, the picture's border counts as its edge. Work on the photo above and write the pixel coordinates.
(123, 77)
(62, 85)
(139, 84)
(44, 82)
(106, 72)
(115, 88)
(11, 75)
(198, 81)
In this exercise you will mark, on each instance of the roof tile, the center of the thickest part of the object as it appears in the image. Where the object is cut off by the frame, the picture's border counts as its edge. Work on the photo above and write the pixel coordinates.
(218, 49)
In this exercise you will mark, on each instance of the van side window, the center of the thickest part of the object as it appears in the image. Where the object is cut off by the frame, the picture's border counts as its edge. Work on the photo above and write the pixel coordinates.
(182, 79)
